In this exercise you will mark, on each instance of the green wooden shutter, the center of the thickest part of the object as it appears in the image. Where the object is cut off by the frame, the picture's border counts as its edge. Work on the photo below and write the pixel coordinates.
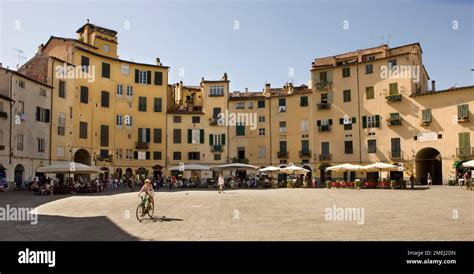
(222, 139)
(353, 120)
(201, 136)
(148, 77)
(190, 136)
(136, 75)
(140, 135)
(158, 78)
(211, 139)
(341, 121)
(364, 121)
(377, 120)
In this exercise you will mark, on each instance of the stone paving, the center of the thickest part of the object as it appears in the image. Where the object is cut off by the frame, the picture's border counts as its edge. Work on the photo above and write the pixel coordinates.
(244, 214)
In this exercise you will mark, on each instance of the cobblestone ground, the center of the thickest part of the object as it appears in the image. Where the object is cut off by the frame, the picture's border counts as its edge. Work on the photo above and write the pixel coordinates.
(273, 214)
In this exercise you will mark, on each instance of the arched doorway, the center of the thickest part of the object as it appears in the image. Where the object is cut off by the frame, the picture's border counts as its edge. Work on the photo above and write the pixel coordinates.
(143, 172)
(323, 174)
(19, 174)
(105, 174)
(428, 160)
(129, 172)
(157, 171)
(282, 176)
(82, 156)
(118, 173)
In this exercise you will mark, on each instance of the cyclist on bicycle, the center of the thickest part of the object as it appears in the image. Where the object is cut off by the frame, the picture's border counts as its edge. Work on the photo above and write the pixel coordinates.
(148, 189)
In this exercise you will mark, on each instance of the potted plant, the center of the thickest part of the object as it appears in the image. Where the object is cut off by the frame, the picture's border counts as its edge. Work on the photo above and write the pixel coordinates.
(393, 184)
(358, 184)
(328, 184)
(404, 184)
(289, 183)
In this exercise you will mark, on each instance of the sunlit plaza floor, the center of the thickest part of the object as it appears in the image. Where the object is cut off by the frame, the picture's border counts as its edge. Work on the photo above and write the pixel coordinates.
(441, 213)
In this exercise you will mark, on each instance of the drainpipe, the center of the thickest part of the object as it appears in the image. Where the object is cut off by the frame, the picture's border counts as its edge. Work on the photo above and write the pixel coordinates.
(10, 92)
(51, 118)
(358, 116)
(270, 119)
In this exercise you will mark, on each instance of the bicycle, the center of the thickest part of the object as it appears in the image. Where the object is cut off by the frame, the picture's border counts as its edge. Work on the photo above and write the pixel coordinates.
(144, 207)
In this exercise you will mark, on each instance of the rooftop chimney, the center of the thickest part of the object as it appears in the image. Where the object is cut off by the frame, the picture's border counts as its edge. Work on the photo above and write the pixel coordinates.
(40, 49)
(158, 62)
(225, 76)
(433, 86)
(267, 90)
(290, 88)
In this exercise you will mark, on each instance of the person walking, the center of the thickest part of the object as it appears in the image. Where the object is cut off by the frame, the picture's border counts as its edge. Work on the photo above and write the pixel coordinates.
(412, 181)
(220, 182)
(429, 180)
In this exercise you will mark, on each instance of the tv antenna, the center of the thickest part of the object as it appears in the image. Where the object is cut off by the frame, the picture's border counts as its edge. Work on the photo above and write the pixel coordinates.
(20, 56)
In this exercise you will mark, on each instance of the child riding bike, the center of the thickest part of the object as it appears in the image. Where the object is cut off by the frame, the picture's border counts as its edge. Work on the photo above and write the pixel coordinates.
(147, 188)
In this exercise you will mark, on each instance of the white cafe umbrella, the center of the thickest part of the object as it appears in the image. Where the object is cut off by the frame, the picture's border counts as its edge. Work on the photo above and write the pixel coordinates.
(68, 167)
(379, 167)
(468, 164)
(270, 169)
(234, 166)
(294, 170)
(189, 167)
(345, 167)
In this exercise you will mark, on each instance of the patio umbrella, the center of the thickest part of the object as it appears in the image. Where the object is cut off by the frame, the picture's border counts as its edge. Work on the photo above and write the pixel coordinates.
(468, 164)
(189, 167)
(234, 166)
(379, 167)
(345, 167)
(270, 169)
(294, 170)
(68, 167)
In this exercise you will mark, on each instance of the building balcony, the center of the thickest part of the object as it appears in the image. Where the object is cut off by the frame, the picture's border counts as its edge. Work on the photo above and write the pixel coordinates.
(325, 157)
(217, 148)
(394, 122)
(393, 98)
(465, 151)
(213, 121)
(142, 145)
(186, 110)
(107, 158)
(283, 154)
(2, 147)
(324, 128)
(324, 105)
(3, 115)
(425, 123)
(305, 153)
(396, 155)
(323, 86)
(463, 119)
(240, 160)
(281, 108)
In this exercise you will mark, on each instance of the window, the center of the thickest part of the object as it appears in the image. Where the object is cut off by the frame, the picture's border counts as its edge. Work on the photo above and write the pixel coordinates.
(42, 92)
(240, 105)
(129, 154)
(304, 101)
(262, 152)
(347, 95)
(463, 111)
(395, 118)
(125, 69)
(41, 145)
(195, 136)
(261, 119)
(282, 126)
(176, 155)
(196, 119)
(464, 144)
(158, 104)
(157, 132)
(105, 70)
(371, 121)
(118, 154)
(261, 131)
(392, 63)
(240, 129)
(215, 112)
(158, 78)
(19, 142)
(62, 89)
(61, 123)
(250, 105)
(105, 48)
(104, 135)
(323, 76)
(144, 135)
(142, 155)
(176, 136)
(348, 147)
(372, 146)
(84, 95)
(346, 72)
(119, 90)
(157, 155)
(85, 64)
(396, 148)
(261, 104)
(142, 77)
(194, 155)
(304, 125)
(42, 115)
(141, 103)
(217, 157)
(426, 116)
(104, 99)
(369, 93)
(60, 151)
(216, 90)
(176, 119)
(325, 148)
(128, 120)
(21, 108)
(282, 102)
(21, 83)
(369, 69)
(1, 137)
(283, 147)
(393, 88)
(83, 130)
(305, 145)
(129, 91)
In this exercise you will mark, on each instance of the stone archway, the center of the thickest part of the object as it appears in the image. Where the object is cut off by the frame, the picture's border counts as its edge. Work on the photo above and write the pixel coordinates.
(323, 174)
(19, 174)
(428, 160)
(82, 156)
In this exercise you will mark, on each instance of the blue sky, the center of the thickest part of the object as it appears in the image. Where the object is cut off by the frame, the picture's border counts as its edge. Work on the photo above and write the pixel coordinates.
(274, 37)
